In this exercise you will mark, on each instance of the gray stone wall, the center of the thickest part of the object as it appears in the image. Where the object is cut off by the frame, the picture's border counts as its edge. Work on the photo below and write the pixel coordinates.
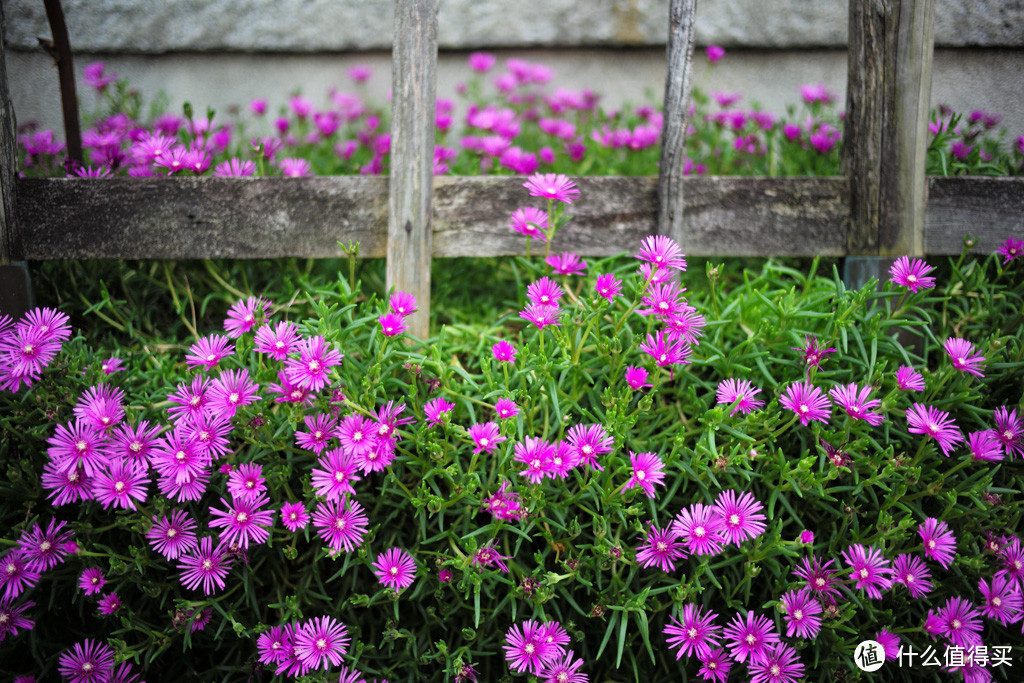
(156, 26)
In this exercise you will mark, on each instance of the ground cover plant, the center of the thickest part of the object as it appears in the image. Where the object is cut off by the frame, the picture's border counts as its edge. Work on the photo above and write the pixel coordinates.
(505, 119)
(627, 469)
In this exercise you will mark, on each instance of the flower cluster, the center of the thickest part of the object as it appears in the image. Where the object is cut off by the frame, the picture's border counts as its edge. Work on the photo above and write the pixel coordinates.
(29, 345)
(539, 648)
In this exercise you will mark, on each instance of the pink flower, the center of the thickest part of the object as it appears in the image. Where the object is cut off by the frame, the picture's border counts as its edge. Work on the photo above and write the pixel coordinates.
(779, 663)
(403, 303)
(481, 62)
(608, 286)
(1012, 249)
(92, 581)
(45, 549)
(232, 390)
(93, 75)
(504, 505)
(243, 520)
(531, 222)
(526, 649)
(588, 442)
(294, 516)
(1009, 430)
(244, 315)
(636, 377)
(436, 410)
(802, 610)
(120, 485)
(544, 291)
(1003, 599)
(173, 537)
(700, 526)
(360, 73)
(392, 324)
(665, 351)
(912, 274)
(934, 423)
(506, 408)
(536, 454)
(813, 354)
(541, 316)
(869, 569)
(320, 643)
(206, 565)
(813, 94)
(714, 53)
(647, 471)
(566, 263)
(277, 340)
(662, 252)
(854, 401)
(86, 662)
(322, 428)
(819, 577)
(504, 352)
(807, 402)
(961, 353)
(985, 445)
(335, 474)
(341, 526)
(316, 358)
(741, 515)
(939, 542)
(909, 379)
(807, 536)
(100, 406)
(660, 548)
(960, 622)
(552, 186)
(740, 392)
(395, 568)
(750, 637)
(486, 437)
(109, 604)
(912, 572)
(696, 635)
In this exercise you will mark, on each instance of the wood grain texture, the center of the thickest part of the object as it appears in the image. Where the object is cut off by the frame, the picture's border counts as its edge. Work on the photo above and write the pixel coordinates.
(10, 244)
(671, 198)
(885, 132)
(414, 86)
(178, 218)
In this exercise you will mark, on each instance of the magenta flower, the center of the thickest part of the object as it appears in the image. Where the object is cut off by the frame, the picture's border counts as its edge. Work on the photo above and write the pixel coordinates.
(662, 252)
(912, 572)
(531, 222)
(740, 392)
(741, 516)
(17, 573)
(232, 390)
(173, 537)
(506, 408)
(750, 637)
(540, 315)
(275, 644)
(487, 555)
(819, 577)
(121, 485)
(960, 623)
(11, 619)
(177, 457)
(403, 303)
(545, 292)
(1011, 248)
(588, 442)
(134, 444)
(909, 379)
(700, 527)
(552, 186)
(246, 481)
(663, 300)
(436, 410)
(806, 536)
(392, 324)
(294, 516)
(112, 365)
(1009, 430)
(481, 62)
(648, 470)
(87, 662)
(1011, 556)
(890, 642)
(801, 614)
(778, 664)
(636, 377)
(243, 315)
(985, 445)
(526, 649)
(961, 353)
(504, 352)
(92, 581)
(715, 666)
(322, 428)
(109, 604)
(660, 548)
(564, 669)
(316, 358)
(566, 263)
(335, 474)
(243, 520)
(536, 454)
(912, 274)
(343, 526)
(1003, 599)
(854, 400)
(395, 568)
(356, 434)
(209, 351)
(696, 635)
(813, 354)
(78, 445)
(504, 505)
(206, 565)
(939, 542)
(277, 340)
(45, 549)
(664, 350)
(190, 399)
(320, 643)
(869, 569)
(66, 485)
(486, 437)
(608, 286)
(100, 407)
(714, 53)
(807, 401)
(934, 423)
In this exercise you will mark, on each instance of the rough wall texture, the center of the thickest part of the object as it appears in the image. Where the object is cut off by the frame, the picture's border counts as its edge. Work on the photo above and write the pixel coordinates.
(156, 26)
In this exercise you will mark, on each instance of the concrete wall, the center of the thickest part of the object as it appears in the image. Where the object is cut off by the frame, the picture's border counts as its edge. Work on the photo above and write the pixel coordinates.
(222, 52)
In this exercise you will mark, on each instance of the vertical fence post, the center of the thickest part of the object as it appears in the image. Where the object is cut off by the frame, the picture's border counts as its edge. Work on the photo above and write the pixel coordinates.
(410, 190)
(66, 76)
(888, 95)
(682, 14)
(15, 285)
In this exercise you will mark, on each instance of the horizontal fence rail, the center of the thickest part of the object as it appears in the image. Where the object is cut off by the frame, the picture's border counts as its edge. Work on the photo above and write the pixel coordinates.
(186, 218)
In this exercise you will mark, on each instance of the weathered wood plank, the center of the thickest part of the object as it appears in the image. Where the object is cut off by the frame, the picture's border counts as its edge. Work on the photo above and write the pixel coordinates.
(885, 132)
(306, 217)
(990, 209)
(179, 218)
(682, 18)
(414, 86)
(10, 244)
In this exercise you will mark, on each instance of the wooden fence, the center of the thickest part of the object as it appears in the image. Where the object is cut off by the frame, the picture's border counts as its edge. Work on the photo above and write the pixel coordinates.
(883, 205)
